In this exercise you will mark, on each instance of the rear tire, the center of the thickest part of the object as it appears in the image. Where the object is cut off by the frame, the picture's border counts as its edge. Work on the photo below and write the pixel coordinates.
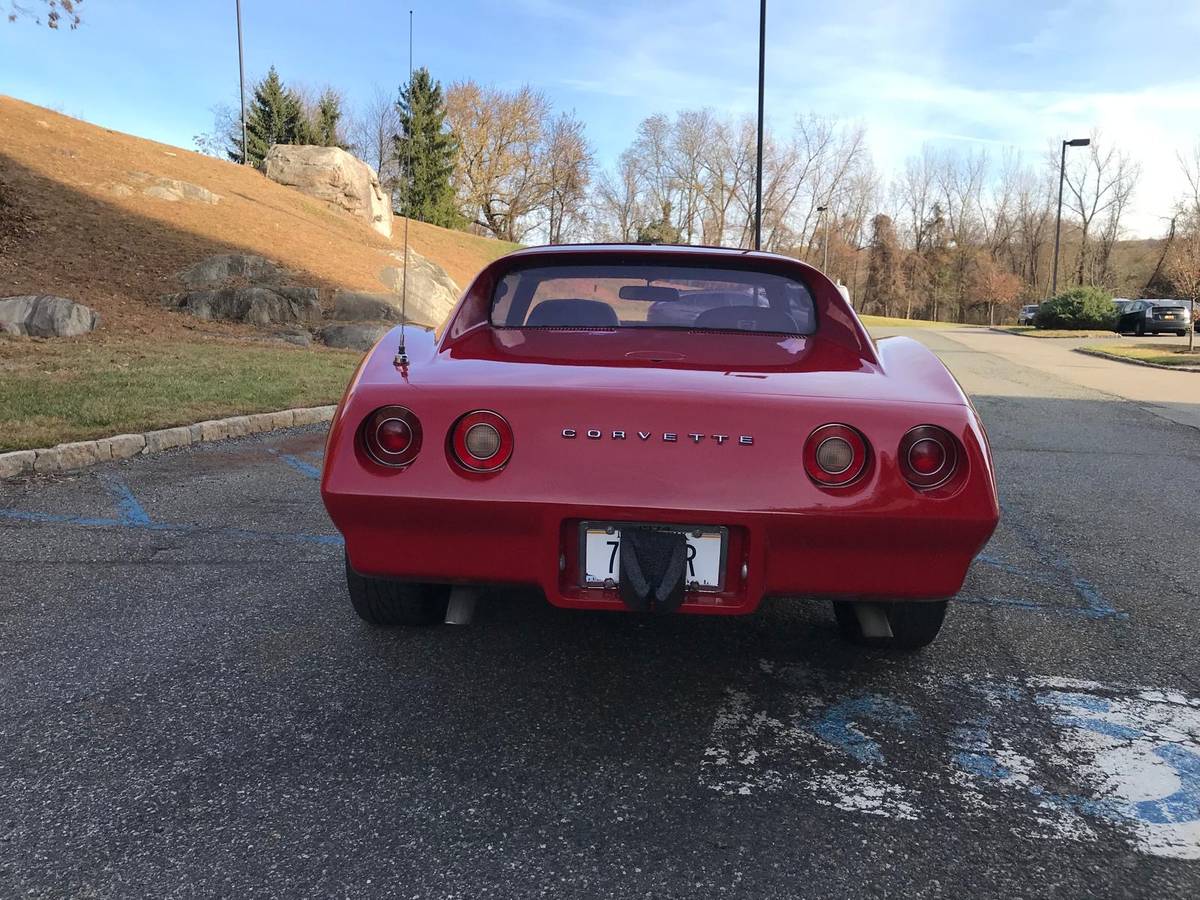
(1181, 333)
(385, 603)
(914, 623)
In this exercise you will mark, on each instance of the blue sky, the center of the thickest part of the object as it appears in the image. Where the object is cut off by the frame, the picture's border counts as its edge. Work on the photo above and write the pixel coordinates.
(952, 72)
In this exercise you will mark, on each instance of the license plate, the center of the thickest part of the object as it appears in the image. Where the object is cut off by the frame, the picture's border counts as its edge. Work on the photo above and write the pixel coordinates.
(1169, 316)
(601, 552)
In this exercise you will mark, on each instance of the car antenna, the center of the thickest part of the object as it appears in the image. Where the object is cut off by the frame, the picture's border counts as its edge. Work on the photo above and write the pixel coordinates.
(402, 352)
(758, 169)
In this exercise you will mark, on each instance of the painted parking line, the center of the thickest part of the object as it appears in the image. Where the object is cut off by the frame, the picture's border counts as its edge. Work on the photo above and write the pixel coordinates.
(1074, 759)
(128, 514)
(128, 508)
(1052, 570)
(294, 462)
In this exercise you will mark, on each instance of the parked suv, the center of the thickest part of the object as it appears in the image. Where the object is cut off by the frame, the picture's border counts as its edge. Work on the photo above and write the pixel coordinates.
(1025, 316)
(1153, 316)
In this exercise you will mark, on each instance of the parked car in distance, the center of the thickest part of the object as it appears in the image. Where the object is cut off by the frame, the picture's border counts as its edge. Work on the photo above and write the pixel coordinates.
(1025, 316)
(1153, 317)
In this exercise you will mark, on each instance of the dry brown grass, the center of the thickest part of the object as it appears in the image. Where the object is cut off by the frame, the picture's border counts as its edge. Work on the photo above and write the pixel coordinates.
(89, 233)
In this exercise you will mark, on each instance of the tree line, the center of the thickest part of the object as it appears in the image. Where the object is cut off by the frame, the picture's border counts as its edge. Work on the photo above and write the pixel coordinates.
(965, 235)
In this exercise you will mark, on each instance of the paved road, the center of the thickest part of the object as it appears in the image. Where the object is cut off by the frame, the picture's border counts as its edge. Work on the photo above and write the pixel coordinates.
(191, 709)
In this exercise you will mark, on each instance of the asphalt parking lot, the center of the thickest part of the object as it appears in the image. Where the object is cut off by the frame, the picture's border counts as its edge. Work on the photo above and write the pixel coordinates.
(192, 709)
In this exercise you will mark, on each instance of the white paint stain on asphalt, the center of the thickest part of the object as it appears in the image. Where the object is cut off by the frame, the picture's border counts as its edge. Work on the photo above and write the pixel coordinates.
(1076, 757)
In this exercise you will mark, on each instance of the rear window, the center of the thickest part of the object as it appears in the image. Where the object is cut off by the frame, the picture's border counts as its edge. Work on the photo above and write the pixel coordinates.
(649, 296)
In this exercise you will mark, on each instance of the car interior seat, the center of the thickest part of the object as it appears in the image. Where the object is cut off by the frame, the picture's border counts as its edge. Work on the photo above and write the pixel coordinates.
(573, 313)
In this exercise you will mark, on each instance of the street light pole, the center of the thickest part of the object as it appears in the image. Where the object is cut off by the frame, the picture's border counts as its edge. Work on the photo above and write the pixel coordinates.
(1062, 171)
(824, 212)
(762, 61)
(242, 83)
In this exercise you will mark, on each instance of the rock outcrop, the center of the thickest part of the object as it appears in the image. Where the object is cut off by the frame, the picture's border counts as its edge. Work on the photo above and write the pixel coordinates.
(355, 306)
(216, 271)
(171, 190)
(334, 176)
(255, 305)
(354, 335)
(431, 292)
(44, 315)
(242, 287)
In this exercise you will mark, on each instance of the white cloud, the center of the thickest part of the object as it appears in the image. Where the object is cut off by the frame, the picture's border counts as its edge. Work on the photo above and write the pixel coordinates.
(913, 73)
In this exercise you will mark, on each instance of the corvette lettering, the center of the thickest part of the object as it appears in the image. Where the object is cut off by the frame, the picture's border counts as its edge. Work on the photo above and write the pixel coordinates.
(670, 437)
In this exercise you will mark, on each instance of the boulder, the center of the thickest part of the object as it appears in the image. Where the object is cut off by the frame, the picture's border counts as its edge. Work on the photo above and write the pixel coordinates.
(215, 271)
(297, 337)
(173, 190)
(44, 315)
(354, 335)
(431, 292)
(334, 176)
(276, 305)
(355, 306)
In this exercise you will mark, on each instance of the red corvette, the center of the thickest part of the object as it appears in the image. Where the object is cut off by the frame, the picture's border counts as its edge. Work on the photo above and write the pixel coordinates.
(659, 428)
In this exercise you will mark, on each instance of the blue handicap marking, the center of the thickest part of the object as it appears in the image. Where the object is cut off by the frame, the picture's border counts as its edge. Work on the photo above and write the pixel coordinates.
(1184, 805)
(128, 509)
(839, 725)
(131, 515)
(304, 468)
(1051, 571)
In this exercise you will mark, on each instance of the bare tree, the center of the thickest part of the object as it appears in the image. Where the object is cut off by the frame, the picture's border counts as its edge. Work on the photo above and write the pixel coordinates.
(1184, 269)
(687, 150)
(916, 190)
(218, 142)
(1032, 233)
(652, 151)
(497, 176)
(728, 176)
(617, 202)
(567, 169)
(57, 12)
(1099, 186)
(372, 133)
(1190, 165)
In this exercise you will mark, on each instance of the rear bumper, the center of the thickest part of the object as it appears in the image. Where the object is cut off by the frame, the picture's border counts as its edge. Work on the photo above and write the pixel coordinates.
(868, 554)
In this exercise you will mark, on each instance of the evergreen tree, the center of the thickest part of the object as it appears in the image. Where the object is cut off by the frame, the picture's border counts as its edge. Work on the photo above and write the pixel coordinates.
(325, 128)
(660, 230)
(883, 266)
(425, 152)
(276, 116)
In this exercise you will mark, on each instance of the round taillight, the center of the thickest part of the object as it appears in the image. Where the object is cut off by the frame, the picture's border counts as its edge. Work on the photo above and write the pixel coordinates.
(928, 456)
(835, 455)
(481, 441)
(392, 436)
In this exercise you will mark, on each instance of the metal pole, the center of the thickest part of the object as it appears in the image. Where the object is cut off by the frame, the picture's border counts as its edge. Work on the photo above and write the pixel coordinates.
(825, 265)
(758, 172)
(1062, 169)
(242, 84)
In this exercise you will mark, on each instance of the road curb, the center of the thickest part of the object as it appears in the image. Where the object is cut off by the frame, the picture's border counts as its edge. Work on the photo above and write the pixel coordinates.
(72, 457)
(1082, 335)
(1133, 362)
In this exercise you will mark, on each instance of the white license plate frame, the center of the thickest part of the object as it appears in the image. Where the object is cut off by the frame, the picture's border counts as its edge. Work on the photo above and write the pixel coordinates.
(698, 535)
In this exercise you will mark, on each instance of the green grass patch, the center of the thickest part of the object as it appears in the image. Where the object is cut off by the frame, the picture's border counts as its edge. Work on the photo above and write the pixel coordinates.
(52, 392)
(895, 322)
(1031, 331)
(1158, 354)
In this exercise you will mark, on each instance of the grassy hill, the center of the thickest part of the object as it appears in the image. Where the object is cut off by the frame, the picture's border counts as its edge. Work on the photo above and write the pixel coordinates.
(87, 230)
(75, 221)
